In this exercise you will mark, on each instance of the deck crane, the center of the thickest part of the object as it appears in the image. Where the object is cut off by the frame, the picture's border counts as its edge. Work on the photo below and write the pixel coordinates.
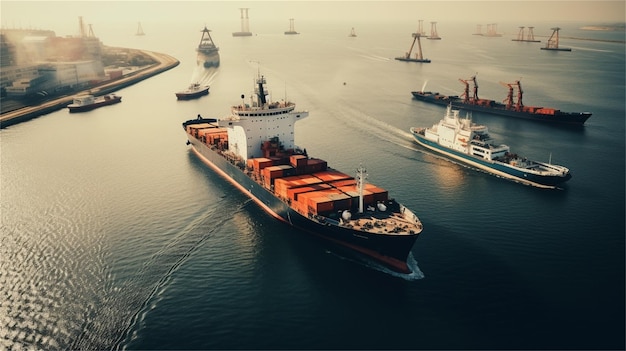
(509, 98)
(465, 95)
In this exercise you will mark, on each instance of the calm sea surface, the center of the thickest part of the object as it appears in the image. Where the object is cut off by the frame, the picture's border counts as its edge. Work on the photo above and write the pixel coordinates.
(115, 236)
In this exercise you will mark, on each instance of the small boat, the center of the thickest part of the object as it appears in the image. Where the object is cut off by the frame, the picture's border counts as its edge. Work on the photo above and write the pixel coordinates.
(139, 30)
(84, 103)
(469, 143)
(254, 149)
(195, 90)
(352, 33)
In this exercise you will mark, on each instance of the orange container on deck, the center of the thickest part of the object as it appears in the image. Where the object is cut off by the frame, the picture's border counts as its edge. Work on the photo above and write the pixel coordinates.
(344, 183)
(330, 176)
(315, 165)
(294, 193)
(298, 160)
(368, 196)
(380, 194)
(340, 201)
(260, 163)
(320, 204)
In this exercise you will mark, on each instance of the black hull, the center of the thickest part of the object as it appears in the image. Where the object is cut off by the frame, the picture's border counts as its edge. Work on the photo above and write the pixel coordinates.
(190, 96)
(95, 105)
(572, 118)
(412, 60)
(390, 250)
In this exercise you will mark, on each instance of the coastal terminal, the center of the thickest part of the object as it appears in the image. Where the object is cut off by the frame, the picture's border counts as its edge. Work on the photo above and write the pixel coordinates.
(58, 68)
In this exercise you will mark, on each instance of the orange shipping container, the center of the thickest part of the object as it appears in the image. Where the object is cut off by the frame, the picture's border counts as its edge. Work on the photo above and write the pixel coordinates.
(298, 160)
(320, 204)
(294, 193)
(329, 176)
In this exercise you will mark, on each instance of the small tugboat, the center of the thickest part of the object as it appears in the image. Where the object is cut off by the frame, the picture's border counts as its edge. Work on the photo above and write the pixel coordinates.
(195, 90)
(509, 109)
(254, 149)
(461, 140)
(84, 103)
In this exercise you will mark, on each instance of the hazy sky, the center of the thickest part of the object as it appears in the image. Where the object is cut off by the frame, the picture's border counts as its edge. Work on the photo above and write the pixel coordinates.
(53, 14)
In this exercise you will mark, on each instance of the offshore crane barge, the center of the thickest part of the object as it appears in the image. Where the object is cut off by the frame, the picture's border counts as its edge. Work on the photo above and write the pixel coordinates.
(509, 108)
(254, 149)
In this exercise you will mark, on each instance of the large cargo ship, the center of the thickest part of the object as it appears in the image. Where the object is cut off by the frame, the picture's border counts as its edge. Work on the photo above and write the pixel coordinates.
(461, 140)
(254, 149)
(208, 52)
(509, 108)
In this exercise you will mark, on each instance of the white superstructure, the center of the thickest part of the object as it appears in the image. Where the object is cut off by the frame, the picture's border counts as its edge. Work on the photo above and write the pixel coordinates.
(251, 124)
(462, 135)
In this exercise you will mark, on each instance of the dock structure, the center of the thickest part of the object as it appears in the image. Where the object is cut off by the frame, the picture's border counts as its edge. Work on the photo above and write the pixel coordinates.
(291, 28)
(433, 32)
(245, 24)
(418, 55)
(479, 29)
(553, 41)
(530, 37)
(492, 30)
(420, 28)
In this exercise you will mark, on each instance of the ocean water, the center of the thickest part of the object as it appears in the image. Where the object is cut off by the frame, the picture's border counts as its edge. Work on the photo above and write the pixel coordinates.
(115, 236)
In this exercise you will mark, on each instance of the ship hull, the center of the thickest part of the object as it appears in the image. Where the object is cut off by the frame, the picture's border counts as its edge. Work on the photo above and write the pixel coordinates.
(95, 105)
(572, 118)
(412, 60)
(494, 167)
(188, 95)
(390, 250)
(208, 59)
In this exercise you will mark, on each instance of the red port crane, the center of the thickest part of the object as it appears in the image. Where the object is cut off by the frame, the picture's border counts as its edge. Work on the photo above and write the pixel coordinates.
(509, 98)
(465, 95)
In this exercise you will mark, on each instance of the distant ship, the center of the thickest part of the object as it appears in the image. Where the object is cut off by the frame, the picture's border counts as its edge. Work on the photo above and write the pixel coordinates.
(208, 53)
(463, 141)
(509, 109)
(352, 33)
(195, 90)
(291, 28)
(139, 30)
(84, 103)
(254, 149)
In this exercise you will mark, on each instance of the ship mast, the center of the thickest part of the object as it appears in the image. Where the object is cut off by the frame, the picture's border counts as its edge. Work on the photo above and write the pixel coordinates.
(361, 175)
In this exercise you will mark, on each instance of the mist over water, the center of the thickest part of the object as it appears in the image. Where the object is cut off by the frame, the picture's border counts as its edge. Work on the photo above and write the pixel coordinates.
(115, 236)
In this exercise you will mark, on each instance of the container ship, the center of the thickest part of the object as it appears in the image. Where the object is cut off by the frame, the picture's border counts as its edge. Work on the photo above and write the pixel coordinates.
(509, 108)
(208, 52)
(461, 140)
(253, 148)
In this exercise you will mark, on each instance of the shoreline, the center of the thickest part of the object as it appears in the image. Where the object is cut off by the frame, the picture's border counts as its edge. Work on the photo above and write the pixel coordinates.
(164, 62)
